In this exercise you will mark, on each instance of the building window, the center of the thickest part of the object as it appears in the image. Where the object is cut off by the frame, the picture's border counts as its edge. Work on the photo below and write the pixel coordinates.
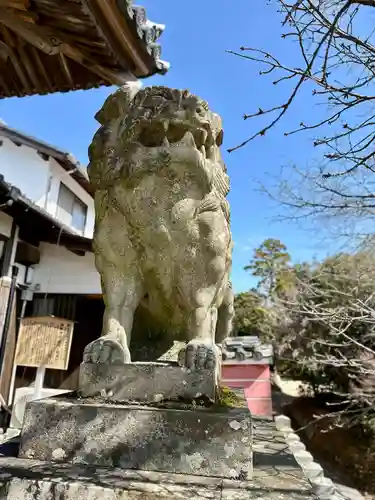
(70, 209)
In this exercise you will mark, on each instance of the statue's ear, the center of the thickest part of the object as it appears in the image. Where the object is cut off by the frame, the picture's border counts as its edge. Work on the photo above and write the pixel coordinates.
(117, 104)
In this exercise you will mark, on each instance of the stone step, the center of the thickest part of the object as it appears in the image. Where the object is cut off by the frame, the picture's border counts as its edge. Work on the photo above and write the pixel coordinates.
(208, 442)
(22, 479)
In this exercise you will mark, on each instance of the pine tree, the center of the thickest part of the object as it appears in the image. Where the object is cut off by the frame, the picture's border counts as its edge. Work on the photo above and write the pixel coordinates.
(271, 263)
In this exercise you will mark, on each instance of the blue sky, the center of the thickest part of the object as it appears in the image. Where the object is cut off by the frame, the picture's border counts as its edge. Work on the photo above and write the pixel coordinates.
(195, 40)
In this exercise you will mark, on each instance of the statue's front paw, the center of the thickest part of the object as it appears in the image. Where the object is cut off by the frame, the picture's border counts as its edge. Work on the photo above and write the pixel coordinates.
(106, 350)
(199, 355)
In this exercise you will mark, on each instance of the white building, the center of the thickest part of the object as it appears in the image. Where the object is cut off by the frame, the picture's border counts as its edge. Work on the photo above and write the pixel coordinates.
(46, 228)
(55, 183)
(49, 177)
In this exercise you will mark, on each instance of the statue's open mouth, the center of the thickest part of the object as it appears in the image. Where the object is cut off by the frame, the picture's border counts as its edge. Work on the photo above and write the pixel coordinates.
(177, 133)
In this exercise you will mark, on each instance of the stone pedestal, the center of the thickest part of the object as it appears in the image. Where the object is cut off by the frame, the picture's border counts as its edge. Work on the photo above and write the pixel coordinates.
(156, 428)
(146, 382)
(92, 448)
(175, 438)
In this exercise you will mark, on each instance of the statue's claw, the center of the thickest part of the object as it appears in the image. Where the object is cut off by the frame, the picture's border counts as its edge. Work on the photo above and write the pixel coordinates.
(198, 355)
(106, 350)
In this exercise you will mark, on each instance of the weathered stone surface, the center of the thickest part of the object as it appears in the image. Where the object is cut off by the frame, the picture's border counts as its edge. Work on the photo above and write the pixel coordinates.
(147, 382)
(171, 355)
(162, 234)
(198, 441)
(48, 481)
(251, 494)
(99, 475)
(24, 394)
(26, 489)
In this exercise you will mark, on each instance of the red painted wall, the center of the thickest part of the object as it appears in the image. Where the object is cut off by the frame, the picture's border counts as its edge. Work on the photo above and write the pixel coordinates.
(255, 379)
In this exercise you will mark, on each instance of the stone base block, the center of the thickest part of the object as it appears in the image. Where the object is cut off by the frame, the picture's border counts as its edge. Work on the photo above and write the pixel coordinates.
(146, 382)
(207, 442)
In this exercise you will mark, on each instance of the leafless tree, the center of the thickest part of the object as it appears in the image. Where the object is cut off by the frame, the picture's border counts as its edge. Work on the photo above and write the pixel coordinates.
(330, 331)
(337, 61)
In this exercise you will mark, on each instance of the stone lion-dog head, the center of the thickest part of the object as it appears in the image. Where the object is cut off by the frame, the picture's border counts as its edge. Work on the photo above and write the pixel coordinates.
(142, 130)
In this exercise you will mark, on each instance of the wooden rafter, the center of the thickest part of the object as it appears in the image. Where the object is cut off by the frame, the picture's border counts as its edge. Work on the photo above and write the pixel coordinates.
(7, 36)
(4, 51)
(24, 57)
(27, 16)
(11, 44)
(42, 38)
(85, 60)
(60, 45)
(4, 85)
(41, 69)
(65, 66)
(115, 31)
(16, 4)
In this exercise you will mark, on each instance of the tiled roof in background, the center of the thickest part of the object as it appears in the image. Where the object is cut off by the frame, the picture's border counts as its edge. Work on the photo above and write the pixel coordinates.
(148, 31)
(49, 46)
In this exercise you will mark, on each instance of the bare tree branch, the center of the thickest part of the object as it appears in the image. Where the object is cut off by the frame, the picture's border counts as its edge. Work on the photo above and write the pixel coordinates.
(338, 59)
(329, 328)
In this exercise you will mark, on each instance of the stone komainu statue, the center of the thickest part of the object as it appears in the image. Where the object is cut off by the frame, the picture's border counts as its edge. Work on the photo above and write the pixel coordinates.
(162, 231)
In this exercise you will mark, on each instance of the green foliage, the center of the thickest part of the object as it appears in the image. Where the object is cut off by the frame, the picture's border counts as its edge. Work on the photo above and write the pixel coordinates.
(271, 264)
(250, 315)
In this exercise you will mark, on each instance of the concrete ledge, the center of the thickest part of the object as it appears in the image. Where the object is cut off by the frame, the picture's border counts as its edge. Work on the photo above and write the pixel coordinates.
(208, 442)
(35, 480)
(26, 489)
(146, 382)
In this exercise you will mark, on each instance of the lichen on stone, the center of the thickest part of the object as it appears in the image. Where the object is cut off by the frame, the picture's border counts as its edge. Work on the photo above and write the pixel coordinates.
(229, 398)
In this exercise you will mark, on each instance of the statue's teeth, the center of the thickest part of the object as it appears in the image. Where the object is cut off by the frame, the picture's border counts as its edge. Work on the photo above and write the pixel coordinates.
(209, 141)
(188, 139)
(165, 142)
(204, 136)
(211, 153)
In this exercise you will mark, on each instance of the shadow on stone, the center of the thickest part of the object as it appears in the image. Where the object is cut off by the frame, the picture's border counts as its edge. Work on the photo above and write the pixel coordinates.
(10, 448)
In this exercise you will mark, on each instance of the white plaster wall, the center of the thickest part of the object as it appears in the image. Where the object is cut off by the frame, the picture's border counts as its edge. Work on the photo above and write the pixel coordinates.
(39, 180)
(61, 271)
(5, 223)
(25, 169)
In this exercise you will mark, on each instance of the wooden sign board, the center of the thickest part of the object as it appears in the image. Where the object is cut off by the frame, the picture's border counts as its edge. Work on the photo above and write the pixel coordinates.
(44, 341)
